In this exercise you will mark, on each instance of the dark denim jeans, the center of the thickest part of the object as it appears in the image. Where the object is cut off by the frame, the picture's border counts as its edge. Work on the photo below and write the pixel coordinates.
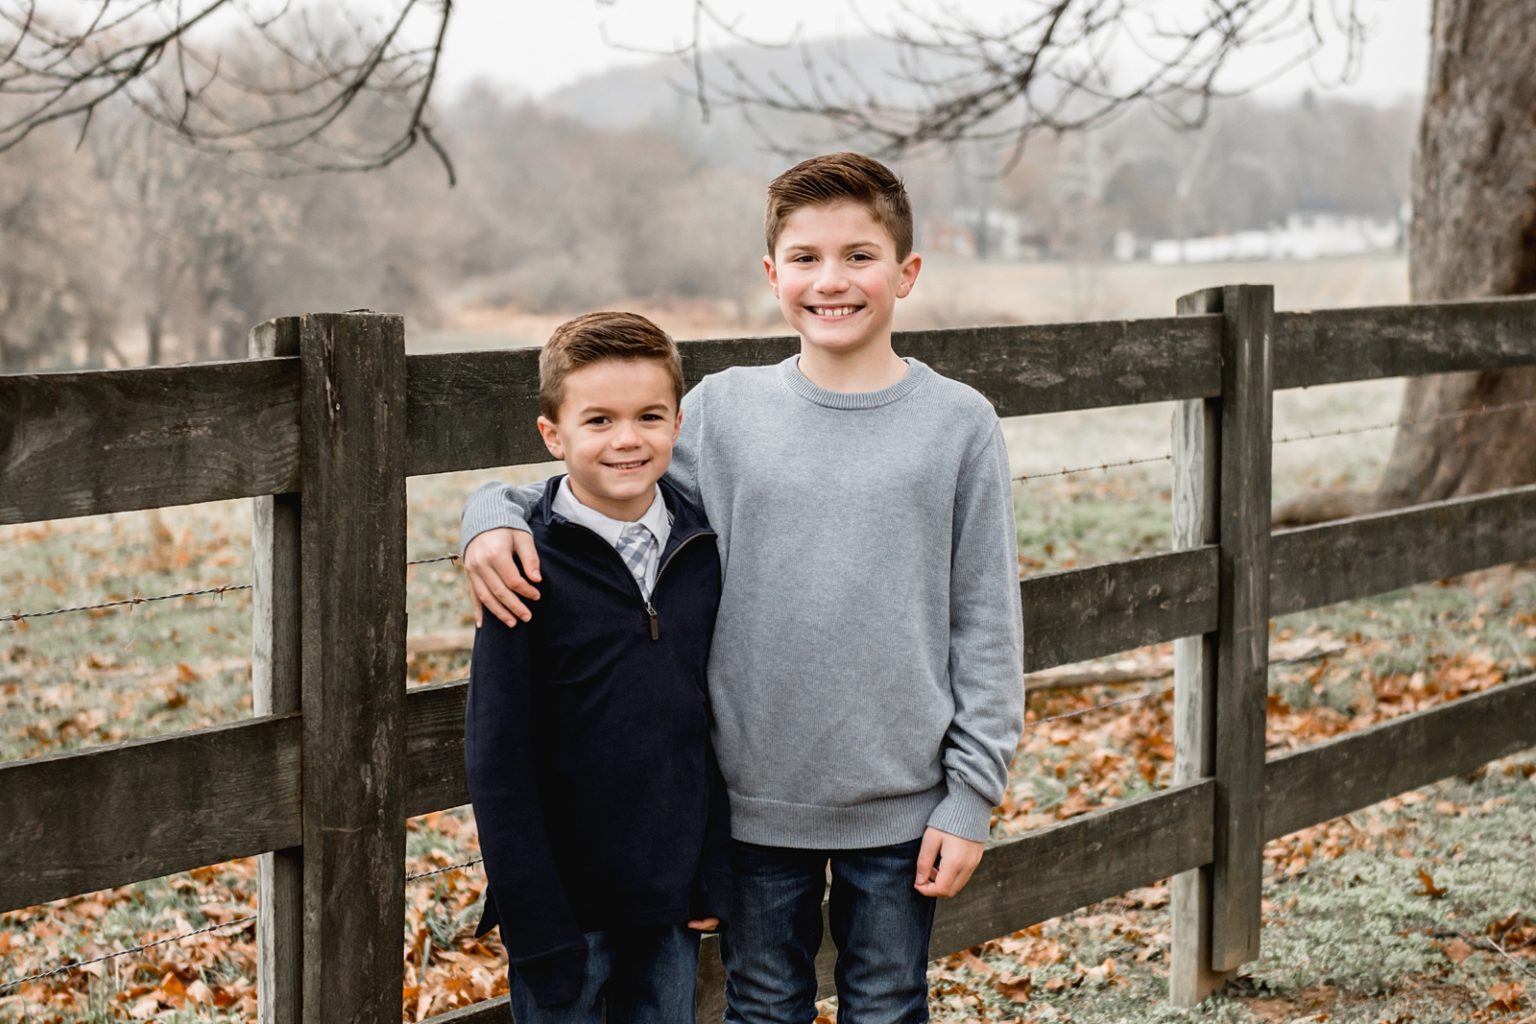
(644, 975)
(878, 921)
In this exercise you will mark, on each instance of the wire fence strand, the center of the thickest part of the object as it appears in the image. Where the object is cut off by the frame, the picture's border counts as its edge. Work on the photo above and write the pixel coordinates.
(75, 965)
(227, 588)
(1413, 424)
(444, 870)
(1100, 467)
(1155, 691)
(1314, 435)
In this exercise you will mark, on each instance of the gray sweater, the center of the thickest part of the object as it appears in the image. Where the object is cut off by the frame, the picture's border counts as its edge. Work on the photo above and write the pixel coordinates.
(866, 677)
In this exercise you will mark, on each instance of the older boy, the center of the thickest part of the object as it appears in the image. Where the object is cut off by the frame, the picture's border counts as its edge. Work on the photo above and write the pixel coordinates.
(866, 677)
(602, 817)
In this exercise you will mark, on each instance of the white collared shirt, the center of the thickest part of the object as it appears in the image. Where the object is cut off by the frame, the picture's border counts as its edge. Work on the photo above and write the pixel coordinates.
(657, 519)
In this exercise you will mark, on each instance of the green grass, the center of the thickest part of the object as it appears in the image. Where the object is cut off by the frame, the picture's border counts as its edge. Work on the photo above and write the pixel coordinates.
(73, 681)
(1353, 937)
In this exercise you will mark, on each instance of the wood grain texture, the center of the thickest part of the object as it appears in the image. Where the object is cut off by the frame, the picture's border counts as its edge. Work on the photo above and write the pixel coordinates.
(78, 822)
(1196, 445)
(276, 669)
(434, 748)
(470, 410)
(1242, 632)
(1332, 345)
(353, 613)
(76, 444)
(1388, 550)
(1085, 613)
(1057, 869)
(1356, 770)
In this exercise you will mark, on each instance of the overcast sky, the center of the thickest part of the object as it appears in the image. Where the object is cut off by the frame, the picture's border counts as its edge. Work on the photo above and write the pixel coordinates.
(539, 47)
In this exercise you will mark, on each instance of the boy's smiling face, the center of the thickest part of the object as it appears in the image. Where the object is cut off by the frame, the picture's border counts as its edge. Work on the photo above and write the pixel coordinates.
(615, 430)
(835, 272)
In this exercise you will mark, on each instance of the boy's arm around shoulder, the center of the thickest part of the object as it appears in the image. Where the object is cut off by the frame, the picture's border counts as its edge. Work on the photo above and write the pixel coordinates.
(494, 528)
(524, 893)
(986, 643)
(496, 506)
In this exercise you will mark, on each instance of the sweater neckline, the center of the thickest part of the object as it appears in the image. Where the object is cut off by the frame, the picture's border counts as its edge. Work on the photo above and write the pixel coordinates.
(800, 384)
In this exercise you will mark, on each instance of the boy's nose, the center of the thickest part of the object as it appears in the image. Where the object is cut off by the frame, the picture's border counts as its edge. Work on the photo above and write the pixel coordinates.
(627, 436)
(831, 278)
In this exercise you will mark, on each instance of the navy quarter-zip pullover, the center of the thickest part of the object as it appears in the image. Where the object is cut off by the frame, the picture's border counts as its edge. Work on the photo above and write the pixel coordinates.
(586, 742)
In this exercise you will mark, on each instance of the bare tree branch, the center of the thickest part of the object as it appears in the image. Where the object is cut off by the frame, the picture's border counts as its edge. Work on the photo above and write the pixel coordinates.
(1050, 65)
(235, 77)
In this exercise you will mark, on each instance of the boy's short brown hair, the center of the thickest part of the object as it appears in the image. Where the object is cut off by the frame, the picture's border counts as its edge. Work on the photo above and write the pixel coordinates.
(841, 177)
(593, 337)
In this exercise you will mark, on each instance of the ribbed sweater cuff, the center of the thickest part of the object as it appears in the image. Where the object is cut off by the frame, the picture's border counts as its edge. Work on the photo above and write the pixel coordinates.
(963, 812)
(481, 515)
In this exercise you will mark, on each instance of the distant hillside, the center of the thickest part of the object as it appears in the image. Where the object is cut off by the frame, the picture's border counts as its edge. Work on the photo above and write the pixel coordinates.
(659, 96)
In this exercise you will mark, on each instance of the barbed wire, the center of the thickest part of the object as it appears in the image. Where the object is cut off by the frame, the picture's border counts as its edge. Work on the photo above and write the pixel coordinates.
(1485, 410)
(444, 870)
(227, 588)
(430, 561)
(135, 600)
(75, 965)
(1100, 467)
(1155, 691)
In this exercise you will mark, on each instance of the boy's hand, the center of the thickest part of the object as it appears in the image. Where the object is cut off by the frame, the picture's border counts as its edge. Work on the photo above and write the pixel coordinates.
(494, 580)
(955, 859)
(707, 924)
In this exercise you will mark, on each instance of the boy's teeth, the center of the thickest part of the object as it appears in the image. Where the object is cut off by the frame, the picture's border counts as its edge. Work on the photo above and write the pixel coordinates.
(833, 310)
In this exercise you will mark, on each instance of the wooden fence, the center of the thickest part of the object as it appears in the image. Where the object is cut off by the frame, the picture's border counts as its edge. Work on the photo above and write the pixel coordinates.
(322, 426)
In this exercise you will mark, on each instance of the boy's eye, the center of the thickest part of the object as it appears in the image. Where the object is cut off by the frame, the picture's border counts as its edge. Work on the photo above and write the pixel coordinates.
(597, 421)
(804, 257)
(861, 257)
(651, 417)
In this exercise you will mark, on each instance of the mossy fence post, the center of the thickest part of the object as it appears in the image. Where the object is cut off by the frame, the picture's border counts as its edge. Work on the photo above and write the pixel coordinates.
(1221, 496)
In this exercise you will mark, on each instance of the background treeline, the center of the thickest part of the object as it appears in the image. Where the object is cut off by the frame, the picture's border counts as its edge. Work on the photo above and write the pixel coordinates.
(129, 247)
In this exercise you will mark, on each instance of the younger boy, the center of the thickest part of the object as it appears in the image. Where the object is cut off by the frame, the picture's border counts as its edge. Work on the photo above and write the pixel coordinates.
(866, 675)
(601, 812)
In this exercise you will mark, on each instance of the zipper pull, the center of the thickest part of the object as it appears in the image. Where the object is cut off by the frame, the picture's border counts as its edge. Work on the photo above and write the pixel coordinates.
(655, 629)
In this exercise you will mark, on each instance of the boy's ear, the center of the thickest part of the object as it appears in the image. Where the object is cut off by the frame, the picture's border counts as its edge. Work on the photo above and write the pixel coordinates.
(677, 424)
(551, 435)
(773, 274)
(909, 268)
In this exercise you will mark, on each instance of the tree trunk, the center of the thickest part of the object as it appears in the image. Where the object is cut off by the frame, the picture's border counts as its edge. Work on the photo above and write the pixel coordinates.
(1473, 236)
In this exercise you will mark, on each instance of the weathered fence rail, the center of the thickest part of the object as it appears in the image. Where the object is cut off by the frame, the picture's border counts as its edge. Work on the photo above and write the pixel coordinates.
(329, 417)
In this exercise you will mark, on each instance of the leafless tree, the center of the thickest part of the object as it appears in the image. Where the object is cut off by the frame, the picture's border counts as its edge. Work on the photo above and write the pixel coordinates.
(203, 71)
(1046, 66)
(1056, 66)
(1071, 64)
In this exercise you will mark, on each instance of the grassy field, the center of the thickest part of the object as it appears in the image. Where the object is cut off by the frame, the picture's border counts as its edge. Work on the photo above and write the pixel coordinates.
(1353, 932)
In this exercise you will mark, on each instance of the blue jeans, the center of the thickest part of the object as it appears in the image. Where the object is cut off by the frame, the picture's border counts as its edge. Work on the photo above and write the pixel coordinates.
(645, 975)
(878, 921)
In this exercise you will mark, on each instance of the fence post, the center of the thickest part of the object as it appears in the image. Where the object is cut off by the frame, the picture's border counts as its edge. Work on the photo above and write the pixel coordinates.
(352, 562)
(1222, 497)
(275, 665)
